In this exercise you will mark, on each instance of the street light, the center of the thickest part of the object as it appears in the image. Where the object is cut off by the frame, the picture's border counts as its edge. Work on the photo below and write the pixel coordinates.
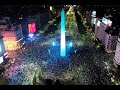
(31, 35)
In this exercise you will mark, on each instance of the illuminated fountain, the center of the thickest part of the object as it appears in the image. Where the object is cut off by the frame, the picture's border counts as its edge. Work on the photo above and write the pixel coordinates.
(63, 43)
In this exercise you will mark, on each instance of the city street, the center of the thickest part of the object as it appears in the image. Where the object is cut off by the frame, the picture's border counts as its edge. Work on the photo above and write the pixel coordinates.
(85, 67)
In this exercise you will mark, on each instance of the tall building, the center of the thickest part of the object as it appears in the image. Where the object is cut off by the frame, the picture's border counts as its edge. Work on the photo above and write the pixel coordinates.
(28, 26)
(41, 19)
(36, 15)
(106, 33)
(117, 52)
(34, 23)
(12, 35)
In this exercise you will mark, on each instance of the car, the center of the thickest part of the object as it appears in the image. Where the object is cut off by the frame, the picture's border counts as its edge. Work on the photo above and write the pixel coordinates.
(55, 46)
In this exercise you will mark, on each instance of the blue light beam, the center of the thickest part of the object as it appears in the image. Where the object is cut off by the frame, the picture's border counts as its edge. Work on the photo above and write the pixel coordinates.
(71, 44)
(53, 43)
(31, 35)
(63, 43)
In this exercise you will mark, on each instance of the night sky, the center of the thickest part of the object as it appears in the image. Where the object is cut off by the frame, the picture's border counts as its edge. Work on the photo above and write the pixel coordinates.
(15, 11)
(18, 10)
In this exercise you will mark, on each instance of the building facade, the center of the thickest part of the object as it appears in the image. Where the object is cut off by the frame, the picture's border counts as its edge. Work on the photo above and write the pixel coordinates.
(42, 19)
(117, 52)
(110, 43)
(33, 24)
(28, 26)
(107, 39)
(12, 36)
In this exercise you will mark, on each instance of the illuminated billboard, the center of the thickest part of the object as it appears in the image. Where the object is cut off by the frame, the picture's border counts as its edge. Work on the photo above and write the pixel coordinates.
(31, 28)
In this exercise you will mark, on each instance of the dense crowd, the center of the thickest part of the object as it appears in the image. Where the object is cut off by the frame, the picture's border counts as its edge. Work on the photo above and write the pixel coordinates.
(84, 67)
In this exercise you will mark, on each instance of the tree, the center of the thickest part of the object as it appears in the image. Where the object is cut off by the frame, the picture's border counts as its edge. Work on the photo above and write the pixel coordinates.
(40, 74)
(3, 81)
(34, 80)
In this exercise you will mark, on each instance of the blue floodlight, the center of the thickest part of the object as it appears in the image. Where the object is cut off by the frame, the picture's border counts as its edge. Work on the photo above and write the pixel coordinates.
(31, 35)
(53, 43)
(71, 44)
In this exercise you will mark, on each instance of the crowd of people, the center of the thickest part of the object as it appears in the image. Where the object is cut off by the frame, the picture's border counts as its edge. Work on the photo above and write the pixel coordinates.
(29, 61)
(85, 67)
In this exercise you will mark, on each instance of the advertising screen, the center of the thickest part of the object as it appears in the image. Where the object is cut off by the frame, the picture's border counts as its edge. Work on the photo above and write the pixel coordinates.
(31, 28)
